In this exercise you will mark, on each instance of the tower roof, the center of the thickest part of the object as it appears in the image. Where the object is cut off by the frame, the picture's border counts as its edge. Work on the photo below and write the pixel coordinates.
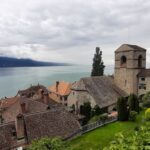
(129, 47)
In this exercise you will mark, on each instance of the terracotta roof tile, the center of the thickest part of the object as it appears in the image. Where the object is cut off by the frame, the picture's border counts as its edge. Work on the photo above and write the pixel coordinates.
(63, 88)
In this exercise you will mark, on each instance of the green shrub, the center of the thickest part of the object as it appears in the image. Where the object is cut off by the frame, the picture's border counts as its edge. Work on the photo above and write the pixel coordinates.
(147, 114)
(103, 117)
(132, 115)
(138, 140)
(133, 103)
(48, 144)
(97, 110)
(146, 103)
(146, 100)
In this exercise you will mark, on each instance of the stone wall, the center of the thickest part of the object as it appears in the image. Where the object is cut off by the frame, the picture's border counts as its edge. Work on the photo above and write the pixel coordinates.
(141, 84)
(126, 76)
(78, 98)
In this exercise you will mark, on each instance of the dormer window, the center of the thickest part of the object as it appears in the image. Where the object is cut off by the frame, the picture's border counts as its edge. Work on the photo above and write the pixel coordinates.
(123, 61)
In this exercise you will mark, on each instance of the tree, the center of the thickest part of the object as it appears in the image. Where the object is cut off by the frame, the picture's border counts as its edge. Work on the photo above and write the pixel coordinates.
(47, 144)
(132, 115)
(85, 110)
(147, 114)
(97, 110)
(122, 109)
(98, 65)
(146, 100)
(133, 103)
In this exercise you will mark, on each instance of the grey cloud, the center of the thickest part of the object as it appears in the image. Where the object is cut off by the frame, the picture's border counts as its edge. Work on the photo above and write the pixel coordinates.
(63, 27)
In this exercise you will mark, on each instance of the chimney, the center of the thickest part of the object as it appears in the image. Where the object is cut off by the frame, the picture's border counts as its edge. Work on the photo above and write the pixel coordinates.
(23, 107)
(20, 128)
(57, 85)
(46, 98)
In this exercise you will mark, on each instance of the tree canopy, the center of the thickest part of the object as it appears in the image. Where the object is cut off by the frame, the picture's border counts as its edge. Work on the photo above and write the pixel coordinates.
(48, 144)
(98, 65)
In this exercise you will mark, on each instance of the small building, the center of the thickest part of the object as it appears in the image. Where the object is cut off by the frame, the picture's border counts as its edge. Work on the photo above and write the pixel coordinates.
(143, 82)
(100, 91)
(60, 91)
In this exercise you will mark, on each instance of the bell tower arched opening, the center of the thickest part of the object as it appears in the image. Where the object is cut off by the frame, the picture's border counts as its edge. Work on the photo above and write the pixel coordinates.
(123, 62)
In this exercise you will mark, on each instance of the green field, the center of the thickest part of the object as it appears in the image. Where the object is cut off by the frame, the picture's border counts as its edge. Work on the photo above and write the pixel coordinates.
(99, 138)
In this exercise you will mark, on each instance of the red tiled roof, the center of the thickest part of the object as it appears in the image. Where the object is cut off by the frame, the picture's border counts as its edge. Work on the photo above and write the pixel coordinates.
(63, 88)
(5, 103)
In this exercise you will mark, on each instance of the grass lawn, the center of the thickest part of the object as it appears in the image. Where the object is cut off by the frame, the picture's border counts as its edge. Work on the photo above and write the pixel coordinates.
(99, 138)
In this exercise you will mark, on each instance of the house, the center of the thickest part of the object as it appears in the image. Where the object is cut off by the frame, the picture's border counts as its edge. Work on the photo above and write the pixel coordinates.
(60, 91)
(32, 91)
(101, 91)
(143, 81)
(131, 74)
(27, 119)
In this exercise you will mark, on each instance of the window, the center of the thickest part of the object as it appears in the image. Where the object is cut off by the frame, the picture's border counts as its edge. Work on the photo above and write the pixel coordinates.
(65, 98)
(143, 79)
(140, 61)
(142, 86)
(13, 132)
(123, 61)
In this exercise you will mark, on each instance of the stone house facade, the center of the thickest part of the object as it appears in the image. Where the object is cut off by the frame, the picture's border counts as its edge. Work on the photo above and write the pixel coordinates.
(100, 91)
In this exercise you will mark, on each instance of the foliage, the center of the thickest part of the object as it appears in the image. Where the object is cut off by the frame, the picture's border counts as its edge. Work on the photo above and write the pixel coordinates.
(98, 65)
(96, 110)
(132, 115)
(103, 117)
(138, 140)
(146, 100)
(133, 103)
(85, 110)
(94, 119)
(100, 137)
(147, 114)
(122, 109)
(47, 144)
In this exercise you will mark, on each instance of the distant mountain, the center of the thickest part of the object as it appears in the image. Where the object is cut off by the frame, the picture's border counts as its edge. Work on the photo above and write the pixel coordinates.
(14, 62)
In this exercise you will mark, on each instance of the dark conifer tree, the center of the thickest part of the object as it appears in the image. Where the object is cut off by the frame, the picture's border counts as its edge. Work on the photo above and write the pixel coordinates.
(133, 103)
(122, 109)
(98, 65)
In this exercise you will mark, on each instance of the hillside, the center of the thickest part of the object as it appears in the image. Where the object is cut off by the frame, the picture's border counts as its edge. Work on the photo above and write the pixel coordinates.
(15, 62)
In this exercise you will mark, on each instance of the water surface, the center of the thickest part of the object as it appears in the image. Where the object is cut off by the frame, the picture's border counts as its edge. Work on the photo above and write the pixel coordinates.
(14, 79)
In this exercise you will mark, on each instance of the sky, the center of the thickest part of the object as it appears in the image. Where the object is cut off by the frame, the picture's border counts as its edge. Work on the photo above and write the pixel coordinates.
(69, 30)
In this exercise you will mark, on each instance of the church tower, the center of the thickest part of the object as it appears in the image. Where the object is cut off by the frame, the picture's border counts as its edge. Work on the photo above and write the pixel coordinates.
(129, 61)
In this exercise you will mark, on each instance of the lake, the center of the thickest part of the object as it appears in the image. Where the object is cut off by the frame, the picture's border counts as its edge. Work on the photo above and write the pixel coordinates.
(14, 79)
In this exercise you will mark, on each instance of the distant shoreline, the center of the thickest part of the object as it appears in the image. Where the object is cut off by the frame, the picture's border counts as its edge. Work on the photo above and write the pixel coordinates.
(15, 62)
